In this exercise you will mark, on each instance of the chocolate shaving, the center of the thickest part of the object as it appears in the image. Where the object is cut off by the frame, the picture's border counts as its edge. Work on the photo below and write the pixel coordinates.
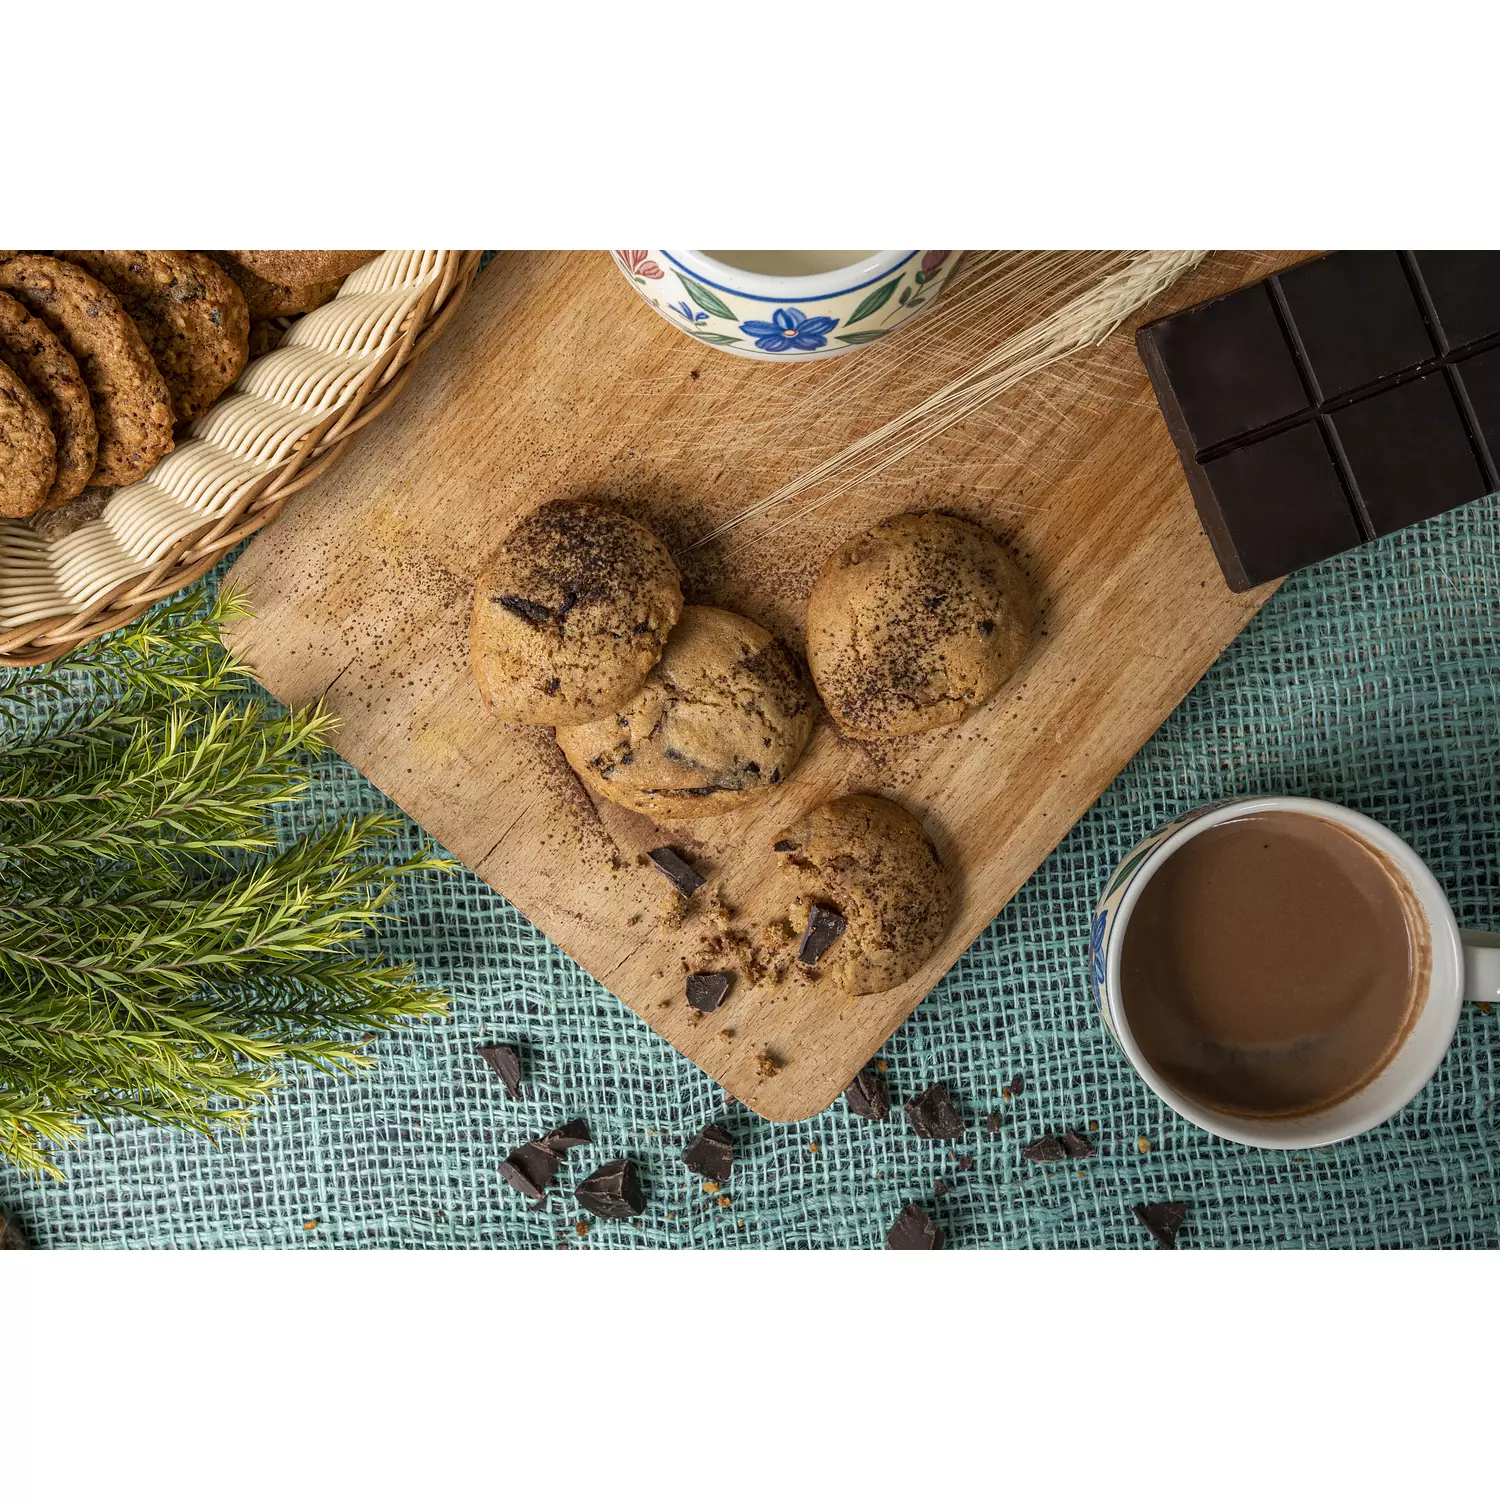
(825, 926)
(676, 869)
(1162, 1221)
(562, 1138)
(1045, 1148)
(711, 1153)
(613, 1192)
(529, 610)
(868, 1096)
(932, 1115)
(913, 1230)
(507, 1064)
(706, 991)
(528, 1169)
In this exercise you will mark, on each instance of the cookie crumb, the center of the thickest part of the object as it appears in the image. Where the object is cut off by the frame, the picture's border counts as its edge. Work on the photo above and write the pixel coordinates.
(310, 1224)
(1142, 1144)
(767, 1064)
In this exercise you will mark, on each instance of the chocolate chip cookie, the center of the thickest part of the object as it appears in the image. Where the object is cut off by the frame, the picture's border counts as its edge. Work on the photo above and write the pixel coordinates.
(872, 898)
(721, 720)
(301, 267)
(132, 407)
(50, 373)
(28, 451)
(915, 623)
(571, 614)
(269, 299)
(191, 314)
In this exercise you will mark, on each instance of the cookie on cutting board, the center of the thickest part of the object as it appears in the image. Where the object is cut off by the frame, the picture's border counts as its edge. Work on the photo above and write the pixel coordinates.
(722, 719)
(193, 317)
(865, 871)
(914, 624)
(571, 614)
(50, 373)
(132, 407)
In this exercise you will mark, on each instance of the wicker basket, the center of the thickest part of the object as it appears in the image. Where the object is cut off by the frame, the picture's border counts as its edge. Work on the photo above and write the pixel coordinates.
(291, 416)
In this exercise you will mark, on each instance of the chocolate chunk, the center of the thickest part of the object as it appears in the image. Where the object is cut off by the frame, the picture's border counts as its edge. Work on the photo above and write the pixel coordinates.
(1017, 1086)
(562, 1138)
(11, 1237)
(1074, 1146)
(965, 1163)
(1045, 1148)
(613, 1192)
(784, 846)
(1354, 319)
(711, 1153)
(992, 1124)
(706, 991)
(505, 1062)
(1408, 453)
(913, 1230)
(676, 869)
(932, 1115)
(528, 1169)
(1385, 432)
(825, 925)
(527, 609)
(940, 1189)
(868, 1096)
(1162, 1221)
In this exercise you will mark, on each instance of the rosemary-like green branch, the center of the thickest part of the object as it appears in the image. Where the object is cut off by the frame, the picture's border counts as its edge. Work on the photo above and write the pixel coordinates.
(160, 955)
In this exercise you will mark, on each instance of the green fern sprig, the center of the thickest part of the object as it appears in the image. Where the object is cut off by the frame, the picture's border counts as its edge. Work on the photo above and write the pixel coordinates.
(160, 956)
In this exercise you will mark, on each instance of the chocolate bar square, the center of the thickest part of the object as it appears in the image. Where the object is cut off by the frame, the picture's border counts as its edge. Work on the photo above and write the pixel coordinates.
(1355, 319)
(1464, 289)
(1408, 453)
(1278, 504)
(1479, 377)
(1229, 367)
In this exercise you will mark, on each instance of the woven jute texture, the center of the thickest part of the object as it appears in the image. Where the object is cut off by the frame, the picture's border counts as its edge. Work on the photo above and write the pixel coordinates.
(1372, 680)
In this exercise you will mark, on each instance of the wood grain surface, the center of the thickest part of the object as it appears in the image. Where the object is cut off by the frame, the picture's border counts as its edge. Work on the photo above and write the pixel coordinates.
(555, 379)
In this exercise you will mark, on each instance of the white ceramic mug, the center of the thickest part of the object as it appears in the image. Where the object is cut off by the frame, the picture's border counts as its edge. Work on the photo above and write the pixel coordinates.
(1465, 966)
(787, 319)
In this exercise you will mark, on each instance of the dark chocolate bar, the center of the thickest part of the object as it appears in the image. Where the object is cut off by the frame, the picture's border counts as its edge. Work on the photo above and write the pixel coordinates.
(1334, 402)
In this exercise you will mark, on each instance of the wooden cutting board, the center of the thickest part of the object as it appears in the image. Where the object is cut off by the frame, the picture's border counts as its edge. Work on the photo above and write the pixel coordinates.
(556, 380)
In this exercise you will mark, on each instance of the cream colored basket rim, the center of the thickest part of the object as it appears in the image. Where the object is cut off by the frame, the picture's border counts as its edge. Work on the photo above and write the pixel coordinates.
(319, 366)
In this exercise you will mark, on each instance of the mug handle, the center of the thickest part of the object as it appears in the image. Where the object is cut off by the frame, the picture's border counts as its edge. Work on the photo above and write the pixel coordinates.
(1482, 966)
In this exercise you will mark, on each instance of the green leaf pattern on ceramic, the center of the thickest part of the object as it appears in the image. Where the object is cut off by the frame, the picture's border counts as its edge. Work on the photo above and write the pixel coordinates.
(706, 299)
(871, 304)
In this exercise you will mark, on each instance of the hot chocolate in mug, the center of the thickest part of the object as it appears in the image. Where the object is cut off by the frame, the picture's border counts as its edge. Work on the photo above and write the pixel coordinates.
(1411, 917)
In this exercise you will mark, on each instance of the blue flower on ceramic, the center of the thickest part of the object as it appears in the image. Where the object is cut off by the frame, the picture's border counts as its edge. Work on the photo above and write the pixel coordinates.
(688, 314)
(790, 328)
(1096, 954)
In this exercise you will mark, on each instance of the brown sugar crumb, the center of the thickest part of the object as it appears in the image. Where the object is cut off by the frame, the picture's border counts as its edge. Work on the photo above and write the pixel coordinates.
(767, 1064)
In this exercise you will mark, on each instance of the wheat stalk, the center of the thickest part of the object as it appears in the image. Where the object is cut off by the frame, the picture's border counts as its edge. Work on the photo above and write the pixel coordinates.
(1084, 321)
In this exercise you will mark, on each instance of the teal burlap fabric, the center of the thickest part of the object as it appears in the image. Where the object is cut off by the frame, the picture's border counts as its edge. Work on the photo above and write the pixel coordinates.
(1372, 680)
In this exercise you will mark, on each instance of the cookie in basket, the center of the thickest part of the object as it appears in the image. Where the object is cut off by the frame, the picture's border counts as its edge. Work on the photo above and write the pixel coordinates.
(269, 299)
(50, 373)
(192, 316)
(132, 406)
(28, 451)
(301, 267)
(571, 614)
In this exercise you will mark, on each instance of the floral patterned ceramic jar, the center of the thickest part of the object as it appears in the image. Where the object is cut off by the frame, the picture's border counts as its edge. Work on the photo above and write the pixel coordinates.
(787, 317)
